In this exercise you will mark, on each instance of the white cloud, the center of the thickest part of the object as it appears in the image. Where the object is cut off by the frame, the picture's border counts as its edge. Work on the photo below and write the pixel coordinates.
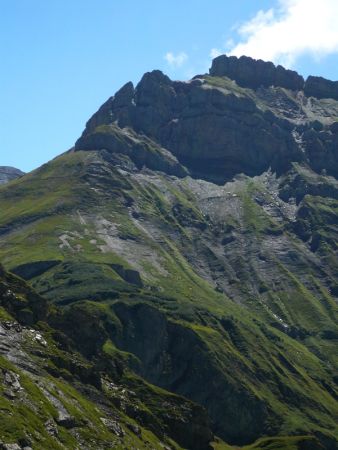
(229, 44)
(295, 28)
(214, 52)
(176, 60)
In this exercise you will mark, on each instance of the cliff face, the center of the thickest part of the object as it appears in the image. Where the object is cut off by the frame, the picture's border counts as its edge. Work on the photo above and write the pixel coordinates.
(251, 73)
(191, 236)
(319, 87)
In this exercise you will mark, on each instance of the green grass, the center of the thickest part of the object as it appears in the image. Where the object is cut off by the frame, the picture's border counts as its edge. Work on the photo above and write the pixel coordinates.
(286, 375)
(278, 443)
(226, 85)
(283, 443)
(24, 418)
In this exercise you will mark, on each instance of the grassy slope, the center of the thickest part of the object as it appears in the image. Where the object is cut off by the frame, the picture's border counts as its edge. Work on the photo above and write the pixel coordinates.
(44, 205)
(282, 443)
(53, 373)
(20, 419)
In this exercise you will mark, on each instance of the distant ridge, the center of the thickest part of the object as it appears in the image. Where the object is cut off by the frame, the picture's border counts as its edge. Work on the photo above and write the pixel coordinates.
(9, 173)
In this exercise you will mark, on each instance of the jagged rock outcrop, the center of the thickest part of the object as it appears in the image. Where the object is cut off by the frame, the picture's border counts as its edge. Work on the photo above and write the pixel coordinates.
(320, 87)
(301, 181)
(322, 149)
(9, 173)
(251, 73)
(141, 150)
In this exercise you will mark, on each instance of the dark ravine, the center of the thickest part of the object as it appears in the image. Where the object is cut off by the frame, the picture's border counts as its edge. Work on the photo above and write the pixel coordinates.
(186, 250)
(160, 343)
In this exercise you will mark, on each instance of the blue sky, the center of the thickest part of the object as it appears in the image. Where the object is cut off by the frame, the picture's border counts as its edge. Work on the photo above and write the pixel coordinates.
(61, 59)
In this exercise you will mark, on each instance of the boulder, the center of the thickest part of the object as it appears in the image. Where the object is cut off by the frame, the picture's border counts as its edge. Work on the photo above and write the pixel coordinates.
(10, 446)
(113, 426)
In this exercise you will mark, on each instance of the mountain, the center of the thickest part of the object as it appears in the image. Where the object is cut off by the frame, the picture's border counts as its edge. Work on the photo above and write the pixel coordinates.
(190, 237)
(55, 398)
(9, 173)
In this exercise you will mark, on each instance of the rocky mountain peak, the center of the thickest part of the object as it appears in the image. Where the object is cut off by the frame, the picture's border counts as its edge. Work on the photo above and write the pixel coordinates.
(124, 96)
(155, 76)
(252, 73)
(258, 111)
